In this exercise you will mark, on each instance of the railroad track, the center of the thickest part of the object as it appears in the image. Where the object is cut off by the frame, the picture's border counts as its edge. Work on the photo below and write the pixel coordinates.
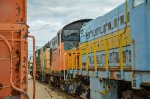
(59, 91)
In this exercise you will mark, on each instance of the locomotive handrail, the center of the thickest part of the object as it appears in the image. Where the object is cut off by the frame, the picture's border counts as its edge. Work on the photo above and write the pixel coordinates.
(106, 57)
(34, 66)
(80, 59)
(83, 47)
(106, 42)
(95, 58)
(65, 66)
(87, 58)
(121, 49)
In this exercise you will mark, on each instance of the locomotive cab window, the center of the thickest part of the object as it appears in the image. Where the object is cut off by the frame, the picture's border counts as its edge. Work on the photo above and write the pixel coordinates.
(124, 57)
(104, 28)
(116, 57)
(81, 31)
(109, 26)
(116, 23)
(122, 20)
(91, 34)
(98, 59)
(110, 57)
(137, 2)
(87, 35)
(97, 31)
(71, 39)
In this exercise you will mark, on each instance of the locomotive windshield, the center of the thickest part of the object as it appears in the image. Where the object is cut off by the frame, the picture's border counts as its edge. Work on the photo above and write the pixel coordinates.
(71, 39)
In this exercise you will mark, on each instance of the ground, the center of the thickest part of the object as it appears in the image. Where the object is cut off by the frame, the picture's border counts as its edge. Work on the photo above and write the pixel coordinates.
(45, 91)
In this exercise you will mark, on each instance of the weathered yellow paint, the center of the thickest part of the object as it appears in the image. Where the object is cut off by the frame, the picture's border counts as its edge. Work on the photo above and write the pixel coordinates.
(76, 60)
(80, 59)
(121, 38)
(106, 51)
(68, 61)
(72, 59)
(127, 16)
(117, 39)
(44, 61)
(121, 53)
(87, 57)
(95, 58)
(113, 41)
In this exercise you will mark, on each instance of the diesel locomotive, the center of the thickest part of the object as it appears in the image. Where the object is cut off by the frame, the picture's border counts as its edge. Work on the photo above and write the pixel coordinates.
(104, 58)
(51, 57)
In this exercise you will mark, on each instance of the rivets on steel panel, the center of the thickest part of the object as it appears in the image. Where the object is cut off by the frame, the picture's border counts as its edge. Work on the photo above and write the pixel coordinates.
(17, 85)
(17, 52)
(17, 69)
(18, 80)
(14, 92)
(17, 77)
(24, 59)
(24, 89)
(18, 64)
(1, 85)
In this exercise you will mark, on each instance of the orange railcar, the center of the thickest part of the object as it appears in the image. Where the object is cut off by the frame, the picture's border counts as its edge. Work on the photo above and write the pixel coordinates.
(13, 49)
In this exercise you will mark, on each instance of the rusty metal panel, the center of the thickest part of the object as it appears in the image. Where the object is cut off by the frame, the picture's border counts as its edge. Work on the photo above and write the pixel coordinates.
(13, 49)
(12, 11)
(18, 45)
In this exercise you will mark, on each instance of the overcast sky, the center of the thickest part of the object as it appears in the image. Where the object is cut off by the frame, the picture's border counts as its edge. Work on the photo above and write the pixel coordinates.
(46, 17)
